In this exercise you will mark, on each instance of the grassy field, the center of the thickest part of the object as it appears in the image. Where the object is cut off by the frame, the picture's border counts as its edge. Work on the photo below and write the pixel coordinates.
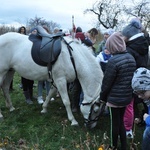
(27, 129)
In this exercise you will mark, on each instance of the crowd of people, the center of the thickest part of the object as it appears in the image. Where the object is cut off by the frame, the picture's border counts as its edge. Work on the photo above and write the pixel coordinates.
(129, 49)
(123, 57)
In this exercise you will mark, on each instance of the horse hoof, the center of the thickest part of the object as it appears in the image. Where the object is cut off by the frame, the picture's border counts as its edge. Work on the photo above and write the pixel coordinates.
(75, 124)
(11, 109)
(44, 111)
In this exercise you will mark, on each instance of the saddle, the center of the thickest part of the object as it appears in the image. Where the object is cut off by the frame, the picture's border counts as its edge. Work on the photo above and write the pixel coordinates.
(46, 47)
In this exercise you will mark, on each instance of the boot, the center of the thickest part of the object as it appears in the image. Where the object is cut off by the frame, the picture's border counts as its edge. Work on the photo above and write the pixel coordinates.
(27, 96)
(75, 97)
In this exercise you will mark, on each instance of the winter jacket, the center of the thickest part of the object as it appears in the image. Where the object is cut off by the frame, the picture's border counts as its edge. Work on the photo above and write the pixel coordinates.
(138, 48)
(147, 121)
(85, 40)
(116, 86)
(80, 35)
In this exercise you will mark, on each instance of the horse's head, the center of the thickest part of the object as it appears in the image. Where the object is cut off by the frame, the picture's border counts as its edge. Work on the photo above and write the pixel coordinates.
(91, 112)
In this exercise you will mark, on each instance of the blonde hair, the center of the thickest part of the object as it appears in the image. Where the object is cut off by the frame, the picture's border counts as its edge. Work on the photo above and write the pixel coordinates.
(92, 34)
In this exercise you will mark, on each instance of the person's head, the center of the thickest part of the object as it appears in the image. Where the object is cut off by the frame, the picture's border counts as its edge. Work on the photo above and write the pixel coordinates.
(133, 28)
(66, 32)
(33, 31)
(22, 30)
(115, 43)
(136, 19)
(56, 30)
(78, 29)
(139, 20)
(108, 33)
(93, 32)
(106, 51)
(141, 83)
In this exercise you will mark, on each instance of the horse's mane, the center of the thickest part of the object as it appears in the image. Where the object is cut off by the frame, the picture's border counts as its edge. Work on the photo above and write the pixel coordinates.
(78, 42)
(87, 58)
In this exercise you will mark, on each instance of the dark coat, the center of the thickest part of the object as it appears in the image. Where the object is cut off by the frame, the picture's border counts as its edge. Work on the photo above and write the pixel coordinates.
(138, 48)
(80, 35)
(116, 86)
(86, 41)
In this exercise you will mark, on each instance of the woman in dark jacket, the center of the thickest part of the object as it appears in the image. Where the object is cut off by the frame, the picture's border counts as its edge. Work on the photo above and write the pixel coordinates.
(116, 86)
(137, 45)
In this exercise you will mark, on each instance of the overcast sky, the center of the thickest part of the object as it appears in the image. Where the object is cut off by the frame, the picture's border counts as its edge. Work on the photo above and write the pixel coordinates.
(59, 11)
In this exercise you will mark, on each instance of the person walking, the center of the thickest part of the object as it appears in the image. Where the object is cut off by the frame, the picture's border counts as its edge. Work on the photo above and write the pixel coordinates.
(116, 88)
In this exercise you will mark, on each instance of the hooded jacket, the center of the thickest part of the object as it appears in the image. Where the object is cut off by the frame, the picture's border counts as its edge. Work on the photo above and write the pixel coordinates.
(116, 86)
(138, 48)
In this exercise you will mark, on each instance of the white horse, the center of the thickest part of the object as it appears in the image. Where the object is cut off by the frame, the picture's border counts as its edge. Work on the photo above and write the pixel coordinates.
(15, 55)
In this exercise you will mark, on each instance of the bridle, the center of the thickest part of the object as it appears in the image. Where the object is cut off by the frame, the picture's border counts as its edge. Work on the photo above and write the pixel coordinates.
(96, 103)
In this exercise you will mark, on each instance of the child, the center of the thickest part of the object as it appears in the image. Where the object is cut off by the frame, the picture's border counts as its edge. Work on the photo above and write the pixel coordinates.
(141, 87)
(116, 88)
(103, 58)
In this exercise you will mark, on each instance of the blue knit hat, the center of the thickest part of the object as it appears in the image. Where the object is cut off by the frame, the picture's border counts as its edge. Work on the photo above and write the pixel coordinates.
(132, 29)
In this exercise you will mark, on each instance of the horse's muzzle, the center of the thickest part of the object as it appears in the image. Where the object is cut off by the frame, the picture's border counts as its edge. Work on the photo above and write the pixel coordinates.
(90, 124)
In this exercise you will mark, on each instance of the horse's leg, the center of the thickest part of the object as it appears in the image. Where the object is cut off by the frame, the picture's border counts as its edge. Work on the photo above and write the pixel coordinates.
(5, 87)
(50, 95)
(66, 101)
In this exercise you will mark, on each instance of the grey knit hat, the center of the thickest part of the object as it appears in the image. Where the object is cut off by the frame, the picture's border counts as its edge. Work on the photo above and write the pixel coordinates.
(132, 29)
(141, 79)
(109, 31)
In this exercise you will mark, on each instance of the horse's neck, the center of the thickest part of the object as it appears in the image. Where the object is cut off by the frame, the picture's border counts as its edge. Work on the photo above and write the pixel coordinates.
(89, 74)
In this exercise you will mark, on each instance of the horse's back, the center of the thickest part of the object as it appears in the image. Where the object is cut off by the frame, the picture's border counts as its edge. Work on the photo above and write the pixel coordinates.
(15, 52)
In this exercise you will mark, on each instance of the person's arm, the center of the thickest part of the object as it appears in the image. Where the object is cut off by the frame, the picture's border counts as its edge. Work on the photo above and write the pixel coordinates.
(146, 118)
(88, 42)
(108, 80)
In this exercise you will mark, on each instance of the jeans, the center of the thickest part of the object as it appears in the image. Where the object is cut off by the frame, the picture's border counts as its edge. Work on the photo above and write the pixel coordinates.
(146, 139)
(40, 87)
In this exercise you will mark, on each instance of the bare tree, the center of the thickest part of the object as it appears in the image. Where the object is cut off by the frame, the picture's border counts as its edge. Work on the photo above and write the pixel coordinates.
(4, 29)
(116, 13)
(51, 25)
(107, 12)
(140, 9)
(33, 22)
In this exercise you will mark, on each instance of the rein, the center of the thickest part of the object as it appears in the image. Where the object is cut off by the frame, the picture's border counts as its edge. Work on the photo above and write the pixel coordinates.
(100, 105)
(71, 56)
